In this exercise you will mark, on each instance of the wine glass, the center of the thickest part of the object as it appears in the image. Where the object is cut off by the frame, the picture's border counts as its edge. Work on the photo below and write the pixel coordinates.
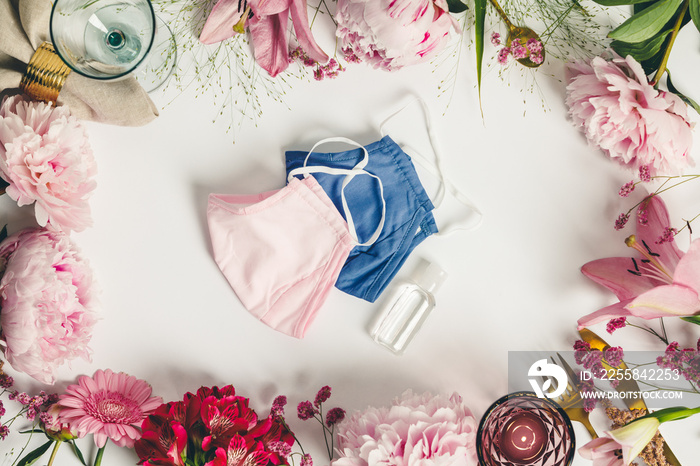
(107, 39)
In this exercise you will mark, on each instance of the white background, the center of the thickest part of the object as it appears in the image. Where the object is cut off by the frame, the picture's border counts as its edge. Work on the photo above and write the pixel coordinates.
(169, 316)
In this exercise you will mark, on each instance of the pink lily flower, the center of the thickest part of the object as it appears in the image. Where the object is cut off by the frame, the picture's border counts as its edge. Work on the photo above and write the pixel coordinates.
(268, 29)
(621, 446)
(660, 282)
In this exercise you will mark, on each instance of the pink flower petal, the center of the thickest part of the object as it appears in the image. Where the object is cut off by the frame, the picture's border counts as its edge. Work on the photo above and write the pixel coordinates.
(609, 312)
(300, 20)
(270, 48)
(613, 273)
(219, 24)
(665, 301)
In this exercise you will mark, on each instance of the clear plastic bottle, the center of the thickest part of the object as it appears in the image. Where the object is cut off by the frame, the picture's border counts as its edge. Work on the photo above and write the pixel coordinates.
(402, 316)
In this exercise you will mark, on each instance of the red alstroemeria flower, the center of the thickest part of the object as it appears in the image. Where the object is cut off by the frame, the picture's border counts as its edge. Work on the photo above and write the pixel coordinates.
(239, 453)
(661, 281)
(268, 29)
(164, 439)
(225, 417)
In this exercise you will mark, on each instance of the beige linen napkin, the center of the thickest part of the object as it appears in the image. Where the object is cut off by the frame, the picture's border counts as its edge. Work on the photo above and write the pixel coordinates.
(24, 25)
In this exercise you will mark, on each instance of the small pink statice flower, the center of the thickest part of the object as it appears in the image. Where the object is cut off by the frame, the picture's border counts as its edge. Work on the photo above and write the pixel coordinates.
(616, 324)
(503, 55)
(350, 56)
(667, 236)
(532, 49)
(330, 70)
(621, 221)
(626, 189)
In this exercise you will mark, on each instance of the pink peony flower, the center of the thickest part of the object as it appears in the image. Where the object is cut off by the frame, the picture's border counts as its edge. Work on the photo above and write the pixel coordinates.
(46, 158)
(622, 114)
(47, 308)
(417, 429)
(108, 405)
(391, 34)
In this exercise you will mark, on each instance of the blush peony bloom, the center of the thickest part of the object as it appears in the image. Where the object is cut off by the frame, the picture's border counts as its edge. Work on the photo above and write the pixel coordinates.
(46, 301)
(391, 34)
(417, 429)
(46, 158)
(108, 405)
(617, 109)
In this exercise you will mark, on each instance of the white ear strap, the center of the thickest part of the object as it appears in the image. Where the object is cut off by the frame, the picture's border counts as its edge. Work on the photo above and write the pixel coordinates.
(358, 169)
(434, 167)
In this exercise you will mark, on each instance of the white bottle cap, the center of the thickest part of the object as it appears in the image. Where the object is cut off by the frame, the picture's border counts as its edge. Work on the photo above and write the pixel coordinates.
(431, 278)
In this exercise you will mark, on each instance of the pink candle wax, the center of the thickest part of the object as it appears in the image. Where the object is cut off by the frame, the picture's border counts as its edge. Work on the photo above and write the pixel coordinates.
(523, 438)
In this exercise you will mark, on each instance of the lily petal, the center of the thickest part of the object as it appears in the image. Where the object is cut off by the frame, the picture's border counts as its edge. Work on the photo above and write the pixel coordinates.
(269, 7)
(665, 301)
(634, 437)
(688, 269)
(300, 20)
(657, 222)
(219, 24)
(610, 312)
(614, 274)
(269, 34)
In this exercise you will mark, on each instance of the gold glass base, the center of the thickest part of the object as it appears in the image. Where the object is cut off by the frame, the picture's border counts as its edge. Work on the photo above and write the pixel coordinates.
(45, 75)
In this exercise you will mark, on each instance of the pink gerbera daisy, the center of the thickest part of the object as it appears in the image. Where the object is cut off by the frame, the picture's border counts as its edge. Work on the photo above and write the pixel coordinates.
(108, 405)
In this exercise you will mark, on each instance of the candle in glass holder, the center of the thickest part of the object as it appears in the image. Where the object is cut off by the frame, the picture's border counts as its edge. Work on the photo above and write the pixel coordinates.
(523, 438)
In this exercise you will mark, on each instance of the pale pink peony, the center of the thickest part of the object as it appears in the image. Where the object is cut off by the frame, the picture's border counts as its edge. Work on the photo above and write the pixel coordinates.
(391, 34)
(46, 304)
(417, 429)
(108, 405)
(46, 158)
(621, 113)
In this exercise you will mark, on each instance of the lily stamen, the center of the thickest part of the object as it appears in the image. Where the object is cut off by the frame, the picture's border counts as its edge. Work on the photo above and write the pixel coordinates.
(655, 269)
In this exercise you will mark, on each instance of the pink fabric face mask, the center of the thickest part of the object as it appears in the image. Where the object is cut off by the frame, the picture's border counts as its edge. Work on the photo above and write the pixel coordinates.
(281, 251)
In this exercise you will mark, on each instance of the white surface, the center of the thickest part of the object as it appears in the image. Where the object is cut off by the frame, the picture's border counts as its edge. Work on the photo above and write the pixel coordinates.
(170, 317)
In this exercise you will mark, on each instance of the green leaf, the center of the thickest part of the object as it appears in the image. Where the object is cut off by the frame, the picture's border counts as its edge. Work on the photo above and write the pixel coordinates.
(694, 8)
(35, 454)
(696, 107)
(77, 452)
(692, 319)
(479, 18)
(647, 23)
(456, 6)
(618, 2)
(641, 50)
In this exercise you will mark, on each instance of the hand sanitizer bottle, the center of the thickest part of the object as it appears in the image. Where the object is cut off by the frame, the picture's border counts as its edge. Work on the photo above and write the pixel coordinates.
(402, 316)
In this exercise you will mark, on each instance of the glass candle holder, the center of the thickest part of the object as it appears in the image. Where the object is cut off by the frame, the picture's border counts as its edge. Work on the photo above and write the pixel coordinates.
(522, 429)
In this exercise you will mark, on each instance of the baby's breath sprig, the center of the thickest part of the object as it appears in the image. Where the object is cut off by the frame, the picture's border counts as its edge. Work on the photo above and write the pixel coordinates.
(666, 183)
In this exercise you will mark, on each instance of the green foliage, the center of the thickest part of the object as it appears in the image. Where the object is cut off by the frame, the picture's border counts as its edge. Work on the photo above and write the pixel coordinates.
(647, 23)
(456, 6)
(644, 50)
(34, 455)
(694, 9)
(479, 19)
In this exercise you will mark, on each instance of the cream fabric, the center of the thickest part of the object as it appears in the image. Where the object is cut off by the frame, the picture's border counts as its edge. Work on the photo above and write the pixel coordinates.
(24, 25)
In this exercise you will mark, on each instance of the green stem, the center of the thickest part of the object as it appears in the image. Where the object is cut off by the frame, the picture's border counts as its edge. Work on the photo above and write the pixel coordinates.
(662, 68)
(54, 451)
(100, 454)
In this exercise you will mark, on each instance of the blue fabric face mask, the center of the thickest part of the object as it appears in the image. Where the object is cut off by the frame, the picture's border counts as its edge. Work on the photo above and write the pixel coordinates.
(406, 211)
